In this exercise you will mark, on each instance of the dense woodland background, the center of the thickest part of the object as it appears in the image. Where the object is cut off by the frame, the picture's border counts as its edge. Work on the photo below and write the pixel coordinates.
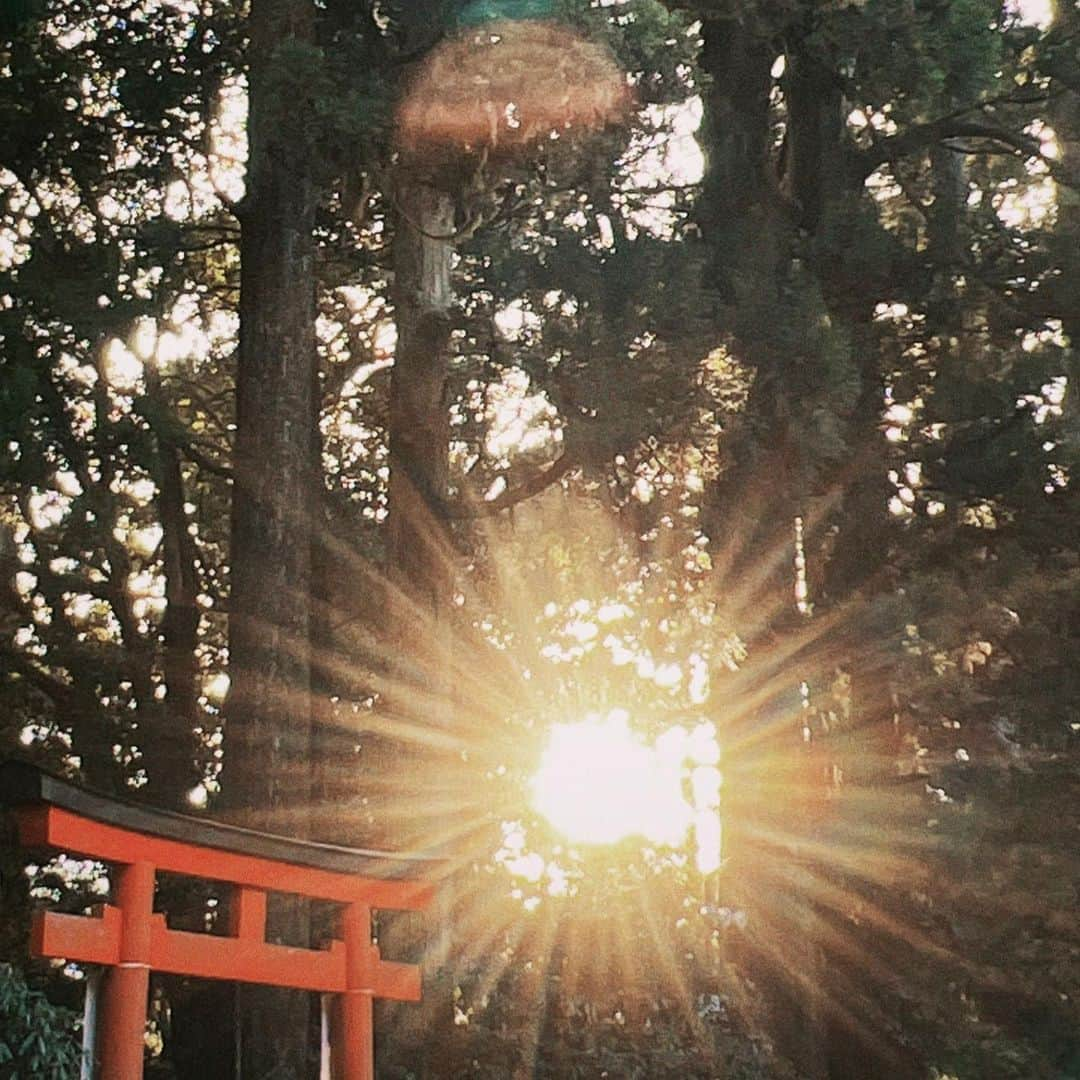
(333, 472)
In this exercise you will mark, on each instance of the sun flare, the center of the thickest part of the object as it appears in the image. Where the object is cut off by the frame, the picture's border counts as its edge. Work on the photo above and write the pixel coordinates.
(599, 782)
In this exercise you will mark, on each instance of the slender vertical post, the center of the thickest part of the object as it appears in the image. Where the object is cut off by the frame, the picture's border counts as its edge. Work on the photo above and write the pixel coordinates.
(90, 1020)
(247, 914)
(123, 1004)
(326, 1011)
(355, 1036)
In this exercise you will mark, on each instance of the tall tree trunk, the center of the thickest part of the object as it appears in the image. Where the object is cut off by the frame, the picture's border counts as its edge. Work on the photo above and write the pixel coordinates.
(746, 226)
(739, 178)
(420, 572)
(419, 411)
(766, 216)
(181, 632)
(863, 747)
(815, 165)
(747, 222)
(420, 560)
(173, 737)
(268, 774)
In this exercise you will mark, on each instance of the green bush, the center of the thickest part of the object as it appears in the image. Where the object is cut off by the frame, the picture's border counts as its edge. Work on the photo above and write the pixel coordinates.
(37, 1039)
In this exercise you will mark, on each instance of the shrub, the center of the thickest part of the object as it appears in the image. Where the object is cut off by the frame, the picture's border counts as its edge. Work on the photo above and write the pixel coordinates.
(38, 1040)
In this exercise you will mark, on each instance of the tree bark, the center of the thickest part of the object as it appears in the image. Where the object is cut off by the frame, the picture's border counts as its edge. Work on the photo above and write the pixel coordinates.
(180, 629)
(418, 691)
(745, 227)
(735, 135)
(267, 781)
(419, 411)
(420, 560)
(173, 739)
(815, 142)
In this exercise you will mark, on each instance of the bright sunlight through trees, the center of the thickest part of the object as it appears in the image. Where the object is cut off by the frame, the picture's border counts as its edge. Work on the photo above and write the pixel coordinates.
(599, 783)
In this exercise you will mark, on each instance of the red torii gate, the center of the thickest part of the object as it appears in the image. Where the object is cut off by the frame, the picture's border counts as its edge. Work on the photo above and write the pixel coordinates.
(129, 940)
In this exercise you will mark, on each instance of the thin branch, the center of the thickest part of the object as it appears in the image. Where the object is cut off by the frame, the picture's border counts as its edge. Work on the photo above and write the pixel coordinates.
(921, 136)
(197, 457)
(538, 482)
(60, 692)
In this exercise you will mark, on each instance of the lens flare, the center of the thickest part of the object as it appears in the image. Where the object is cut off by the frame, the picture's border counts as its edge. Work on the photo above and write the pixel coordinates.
(510, 84)
(599, 783)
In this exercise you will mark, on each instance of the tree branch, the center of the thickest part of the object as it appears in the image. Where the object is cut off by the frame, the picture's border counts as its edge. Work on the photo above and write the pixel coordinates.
(921, 136)
(59, 692)
(538, 482)
(197, 457)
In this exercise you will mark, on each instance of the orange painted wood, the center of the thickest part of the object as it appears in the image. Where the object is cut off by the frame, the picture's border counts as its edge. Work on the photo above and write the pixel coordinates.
(92, 940)
(398, 982)
(367, 970)
(130, 940)
(123, 1001)
(86, 938)
(208, 957)
(50, 826)
(355, 924)
(356, 1018)
(357, 1036)
(205, 956)
(247, 914)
